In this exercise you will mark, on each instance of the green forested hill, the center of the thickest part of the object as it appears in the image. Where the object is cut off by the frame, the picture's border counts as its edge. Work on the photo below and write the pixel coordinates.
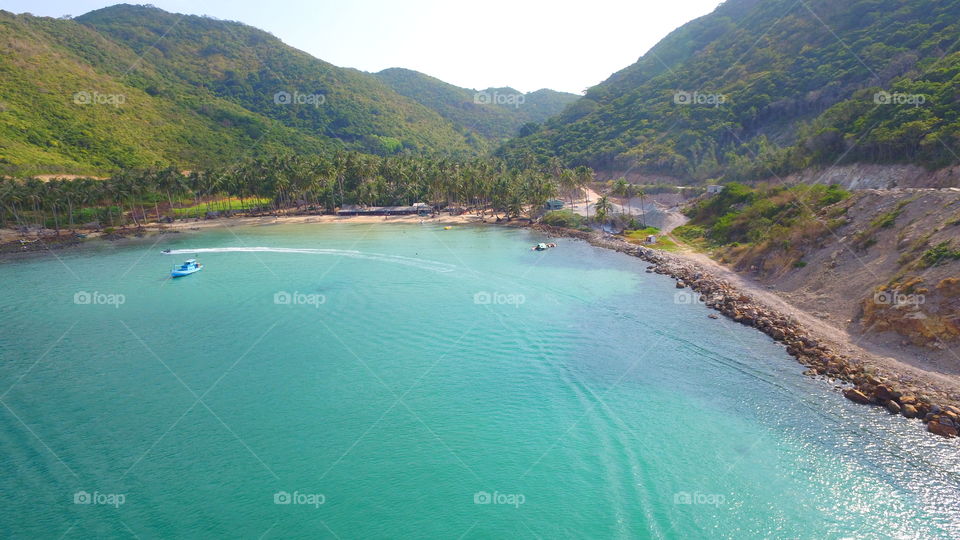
(761, 87)
(248, 66)
(52, 68)
(104, 92)
(494, 113)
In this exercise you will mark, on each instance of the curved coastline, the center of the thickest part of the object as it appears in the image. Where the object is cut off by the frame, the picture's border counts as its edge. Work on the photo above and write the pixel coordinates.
(860, 381)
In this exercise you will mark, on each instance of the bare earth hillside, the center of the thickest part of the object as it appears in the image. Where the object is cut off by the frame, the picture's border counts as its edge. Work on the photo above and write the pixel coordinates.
(885, 272)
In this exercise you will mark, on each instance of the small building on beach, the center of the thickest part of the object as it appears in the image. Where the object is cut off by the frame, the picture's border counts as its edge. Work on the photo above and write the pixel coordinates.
(554, 204)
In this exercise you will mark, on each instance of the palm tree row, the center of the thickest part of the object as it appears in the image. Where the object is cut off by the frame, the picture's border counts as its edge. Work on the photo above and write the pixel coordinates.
(283, 184)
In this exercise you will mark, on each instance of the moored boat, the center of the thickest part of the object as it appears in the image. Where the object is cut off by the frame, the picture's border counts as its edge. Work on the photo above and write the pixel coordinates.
(190, 266)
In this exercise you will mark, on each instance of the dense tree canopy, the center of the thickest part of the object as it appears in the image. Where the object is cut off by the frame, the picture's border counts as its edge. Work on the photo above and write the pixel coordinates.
(281, 183)
(762, 88)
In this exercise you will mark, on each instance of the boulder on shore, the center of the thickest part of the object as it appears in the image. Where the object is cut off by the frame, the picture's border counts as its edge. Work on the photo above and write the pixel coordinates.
(941, 429)
(856, 396)
(884, 393)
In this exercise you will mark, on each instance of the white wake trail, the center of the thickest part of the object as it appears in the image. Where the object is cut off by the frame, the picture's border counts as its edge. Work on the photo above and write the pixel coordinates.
(433, 266)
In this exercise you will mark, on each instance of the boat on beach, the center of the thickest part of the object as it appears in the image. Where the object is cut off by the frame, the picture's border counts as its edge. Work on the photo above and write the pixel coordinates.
(190, 266)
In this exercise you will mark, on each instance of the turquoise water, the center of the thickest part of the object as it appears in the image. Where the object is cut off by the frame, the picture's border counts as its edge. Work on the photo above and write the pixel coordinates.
(390, 399)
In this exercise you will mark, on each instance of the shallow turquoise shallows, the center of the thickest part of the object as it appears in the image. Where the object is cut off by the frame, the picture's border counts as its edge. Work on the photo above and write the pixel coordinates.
(405, 381)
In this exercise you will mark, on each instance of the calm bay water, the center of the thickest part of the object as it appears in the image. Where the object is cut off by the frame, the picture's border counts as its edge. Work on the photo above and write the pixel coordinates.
(424, 383)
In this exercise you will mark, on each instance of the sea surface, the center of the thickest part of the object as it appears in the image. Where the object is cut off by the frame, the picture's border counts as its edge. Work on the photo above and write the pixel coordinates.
(405, 381)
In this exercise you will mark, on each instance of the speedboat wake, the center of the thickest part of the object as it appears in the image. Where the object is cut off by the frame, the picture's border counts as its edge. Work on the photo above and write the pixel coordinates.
(433, 266)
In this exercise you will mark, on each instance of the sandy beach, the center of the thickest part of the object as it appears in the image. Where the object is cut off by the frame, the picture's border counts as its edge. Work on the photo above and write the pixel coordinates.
(11, 236)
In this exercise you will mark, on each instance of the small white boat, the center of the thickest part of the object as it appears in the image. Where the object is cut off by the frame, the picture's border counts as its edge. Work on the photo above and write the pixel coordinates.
(190, 266)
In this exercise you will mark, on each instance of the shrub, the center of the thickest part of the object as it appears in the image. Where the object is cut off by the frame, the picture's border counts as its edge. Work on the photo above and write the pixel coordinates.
(690, 232)
(939, 254)
(563, 218)
(884, 221)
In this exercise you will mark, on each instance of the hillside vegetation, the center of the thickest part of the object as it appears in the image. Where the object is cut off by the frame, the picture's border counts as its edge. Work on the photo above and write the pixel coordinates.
(60, 113)
(496, 113)
(134, 86)
(763, 88)
(877, 261)
(247, 66)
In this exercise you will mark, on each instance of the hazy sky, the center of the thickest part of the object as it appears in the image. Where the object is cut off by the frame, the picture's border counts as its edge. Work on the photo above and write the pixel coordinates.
(524, 44)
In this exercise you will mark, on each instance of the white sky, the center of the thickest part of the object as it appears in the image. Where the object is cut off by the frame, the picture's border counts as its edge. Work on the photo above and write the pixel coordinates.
(527, 44)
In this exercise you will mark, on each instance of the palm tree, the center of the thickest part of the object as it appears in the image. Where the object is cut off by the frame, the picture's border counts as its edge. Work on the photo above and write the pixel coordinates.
(16, 196)
(584, 175)
(86, 192)
(567, 183)
(52, 197)
(603, 207)
(643, 209)
(170, 181)
(622, 189)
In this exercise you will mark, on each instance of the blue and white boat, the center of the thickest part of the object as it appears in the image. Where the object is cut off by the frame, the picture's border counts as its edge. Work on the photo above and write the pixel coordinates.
(190, 266)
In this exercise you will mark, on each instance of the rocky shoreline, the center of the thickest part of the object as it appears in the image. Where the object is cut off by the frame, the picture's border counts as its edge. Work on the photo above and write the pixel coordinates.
(860, 383)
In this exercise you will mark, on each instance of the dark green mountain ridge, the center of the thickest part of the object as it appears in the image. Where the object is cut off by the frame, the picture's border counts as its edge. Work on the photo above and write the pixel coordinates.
(478, 110)
(803, 84)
